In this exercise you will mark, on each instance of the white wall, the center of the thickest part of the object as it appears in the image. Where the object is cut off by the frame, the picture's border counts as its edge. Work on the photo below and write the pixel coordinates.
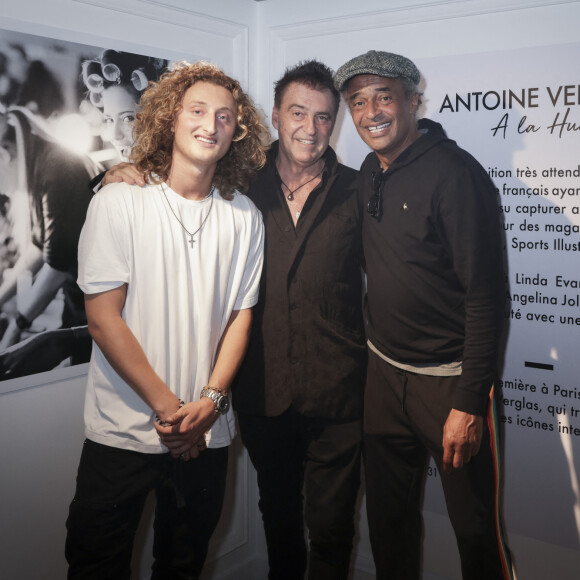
(217, 31)
(41, 434)
(40, 427)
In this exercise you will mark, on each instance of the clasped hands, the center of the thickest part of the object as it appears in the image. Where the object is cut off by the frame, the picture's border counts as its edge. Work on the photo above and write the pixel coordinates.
(184, 431)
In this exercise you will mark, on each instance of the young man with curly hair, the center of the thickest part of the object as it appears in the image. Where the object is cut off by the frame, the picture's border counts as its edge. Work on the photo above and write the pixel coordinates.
(170, 273)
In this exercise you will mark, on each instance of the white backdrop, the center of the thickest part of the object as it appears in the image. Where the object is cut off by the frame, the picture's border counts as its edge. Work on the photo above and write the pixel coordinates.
(534, 159)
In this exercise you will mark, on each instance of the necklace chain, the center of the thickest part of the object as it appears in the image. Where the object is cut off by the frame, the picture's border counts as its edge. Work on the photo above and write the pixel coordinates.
(190, 234)
(298, 211)
(291, 193)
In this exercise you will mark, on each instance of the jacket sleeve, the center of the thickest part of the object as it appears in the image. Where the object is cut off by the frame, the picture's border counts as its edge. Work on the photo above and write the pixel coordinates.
(469, 220)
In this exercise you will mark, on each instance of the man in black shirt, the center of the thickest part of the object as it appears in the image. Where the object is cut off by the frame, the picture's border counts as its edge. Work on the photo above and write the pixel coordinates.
(433, 255)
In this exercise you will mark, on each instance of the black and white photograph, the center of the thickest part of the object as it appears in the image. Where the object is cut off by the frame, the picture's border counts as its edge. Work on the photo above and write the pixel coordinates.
(66, 115)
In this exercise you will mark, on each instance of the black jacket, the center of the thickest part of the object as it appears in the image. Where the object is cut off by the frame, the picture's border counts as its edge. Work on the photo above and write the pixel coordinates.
(307, 348)
(434, 262)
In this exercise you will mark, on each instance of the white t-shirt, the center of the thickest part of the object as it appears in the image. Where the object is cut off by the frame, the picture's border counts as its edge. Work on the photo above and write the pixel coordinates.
(179, 298)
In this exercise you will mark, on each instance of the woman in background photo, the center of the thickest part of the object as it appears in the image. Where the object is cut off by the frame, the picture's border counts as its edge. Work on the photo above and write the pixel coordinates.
(115, 83)
(57, 182)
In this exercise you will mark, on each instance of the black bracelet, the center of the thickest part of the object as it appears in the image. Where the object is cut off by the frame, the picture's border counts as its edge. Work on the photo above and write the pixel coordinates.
(165, 423)
(22, 322)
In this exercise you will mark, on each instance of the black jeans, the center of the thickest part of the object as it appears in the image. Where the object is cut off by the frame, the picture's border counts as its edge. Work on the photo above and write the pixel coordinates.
(112, 486)
(320, 457)
(404, 417)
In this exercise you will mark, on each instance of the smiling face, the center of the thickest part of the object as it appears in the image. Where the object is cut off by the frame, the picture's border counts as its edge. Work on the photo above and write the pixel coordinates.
(383, 116)
(304, 121)
(119, 114)
(204, 127)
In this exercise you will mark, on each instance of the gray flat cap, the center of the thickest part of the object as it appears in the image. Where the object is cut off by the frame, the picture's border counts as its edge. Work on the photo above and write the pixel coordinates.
(375, 62)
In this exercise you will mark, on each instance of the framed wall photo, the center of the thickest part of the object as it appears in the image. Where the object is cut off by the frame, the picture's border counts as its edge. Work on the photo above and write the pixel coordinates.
(66, 114)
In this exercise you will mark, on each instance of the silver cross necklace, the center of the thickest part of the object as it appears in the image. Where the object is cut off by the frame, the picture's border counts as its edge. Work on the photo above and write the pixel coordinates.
(190, 234)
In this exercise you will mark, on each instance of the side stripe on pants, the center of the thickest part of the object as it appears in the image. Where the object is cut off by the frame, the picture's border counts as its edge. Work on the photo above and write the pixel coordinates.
(492, 421)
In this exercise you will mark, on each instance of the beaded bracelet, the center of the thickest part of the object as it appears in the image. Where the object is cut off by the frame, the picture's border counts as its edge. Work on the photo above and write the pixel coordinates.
(165, 423)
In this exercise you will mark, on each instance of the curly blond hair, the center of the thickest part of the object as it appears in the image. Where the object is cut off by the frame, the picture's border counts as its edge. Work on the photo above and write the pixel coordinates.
(160, 105)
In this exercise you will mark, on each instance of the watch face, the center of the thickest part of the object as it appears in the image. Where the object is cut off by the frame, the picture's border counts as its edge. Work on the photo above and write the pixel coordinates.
(223, 404)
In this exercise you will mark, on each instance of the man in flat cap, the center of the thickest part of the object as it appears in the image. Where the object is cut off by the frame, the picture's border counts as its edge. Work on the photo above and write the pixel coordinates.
(433, 253)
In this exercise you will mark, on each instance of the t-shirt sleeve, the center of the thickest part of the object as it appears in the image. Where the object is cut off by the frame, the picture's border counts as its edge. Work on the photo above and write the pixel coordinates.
(104, 245)
(250, 286)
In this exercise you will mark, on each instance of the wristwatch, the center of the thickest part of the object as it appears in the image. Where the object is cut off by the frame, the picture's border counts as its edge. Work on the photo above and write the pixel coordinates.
(221, 402)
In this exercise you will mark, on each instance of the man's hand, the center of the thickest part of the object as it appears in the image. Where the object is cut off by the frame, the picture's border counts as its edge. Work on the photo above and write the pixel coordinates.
(461, 439)
(194, 451)
(124, 172)
(188, 425)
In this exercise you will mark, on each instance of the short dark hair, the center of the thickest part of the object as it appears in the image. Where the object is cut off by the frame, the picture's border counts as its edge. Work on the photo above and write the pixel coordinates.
(311, 73)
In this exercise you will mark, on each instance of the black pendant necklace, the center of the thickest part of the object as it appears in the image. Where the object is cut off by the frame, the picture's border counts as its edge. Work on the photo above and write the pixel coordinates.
(290, 196)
